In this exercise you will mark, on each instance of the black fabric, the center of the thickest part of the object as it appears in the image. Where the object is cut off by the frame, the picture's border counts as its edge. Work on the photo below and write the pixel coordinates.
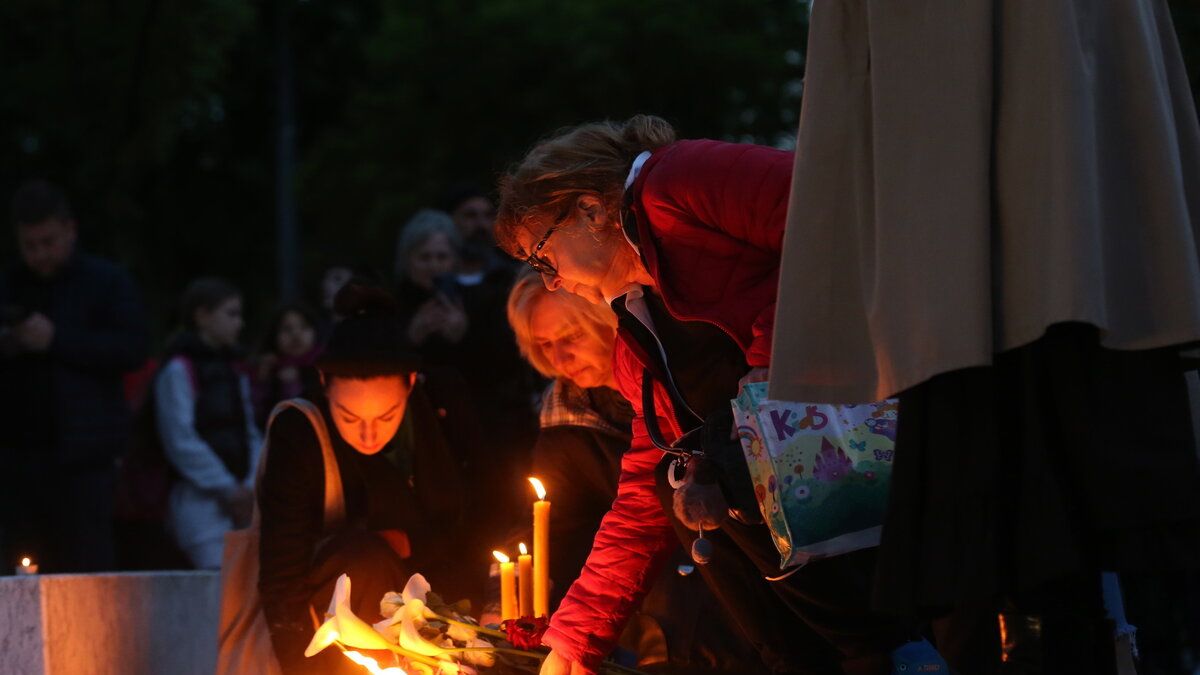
(818, 620)
(1063, 458)
(63, 415)
(705, 363)
(374, 570)
(412, 485)
(500, 388)
(782, 644)
(70, 400)
(220, 411)
(61, 518)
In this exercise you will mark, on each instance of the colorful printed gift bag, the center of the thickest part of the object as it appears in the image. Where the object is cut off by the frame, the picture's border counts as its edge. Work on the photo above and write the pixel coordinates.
(820, 471)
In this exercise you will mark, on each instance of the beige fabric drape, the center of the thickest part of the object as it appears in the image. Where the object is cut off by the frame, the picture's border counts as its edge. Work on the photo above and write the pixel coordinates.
(969, 172)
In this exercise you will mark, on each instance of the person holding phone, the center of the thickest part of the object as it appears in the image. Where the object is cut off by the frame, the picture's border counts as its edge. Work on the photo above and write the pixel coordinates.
(461, 332)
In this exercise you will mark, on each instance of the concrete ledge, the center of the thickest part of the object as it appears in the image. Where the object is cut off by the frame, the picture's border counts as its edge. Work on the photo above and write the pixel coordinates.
(108, 624)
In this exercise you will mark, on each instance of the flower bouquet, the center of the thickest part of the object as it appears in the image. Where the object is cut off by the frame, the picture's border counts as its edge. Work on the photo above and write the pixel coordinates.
(422, 634)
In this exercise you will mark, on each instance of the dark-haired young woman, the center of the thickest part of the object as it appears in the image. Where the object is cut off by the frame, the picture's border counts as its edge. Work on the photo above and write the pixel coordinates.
(206, 423)
(399, 479)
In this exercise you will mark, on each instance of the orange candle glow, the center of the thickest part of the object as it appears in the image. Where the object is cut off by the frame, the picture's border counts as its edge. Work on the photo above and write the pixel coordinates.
(508, 587)
(541, 551)
(525, 584)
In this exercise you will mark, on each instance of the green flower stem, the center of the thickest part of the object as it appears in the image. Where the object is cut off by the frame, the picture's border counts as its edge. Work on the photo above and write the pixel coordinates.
(497, 650)
(470, 626)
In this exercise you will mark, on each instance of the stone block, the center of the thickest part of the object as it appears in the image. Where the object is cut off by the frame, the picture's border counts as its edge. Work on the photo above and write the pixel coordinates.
(148, 623)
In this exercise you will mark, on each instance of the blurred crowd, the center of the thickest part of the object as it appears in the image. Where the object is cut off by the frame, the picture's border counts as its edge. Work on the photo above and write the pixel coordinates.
(125, 454)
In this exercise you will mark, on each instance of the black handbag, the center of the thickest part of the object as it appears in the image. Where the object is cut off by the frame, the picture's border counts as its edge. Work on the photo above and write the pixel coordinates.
(709, 450)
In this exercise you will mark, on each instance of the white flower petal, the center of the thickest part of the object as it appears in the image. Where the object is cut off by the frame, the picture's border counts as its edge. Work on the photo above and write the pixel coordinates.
(482, 659)
(417, 588)
(410, 639)
(390, 604)
(344, 626)
(460, 633)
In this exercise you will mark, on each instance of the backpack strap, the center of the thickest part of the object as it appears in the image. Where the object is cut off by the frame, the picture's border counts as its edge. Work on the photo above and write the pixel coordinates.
(335, 499)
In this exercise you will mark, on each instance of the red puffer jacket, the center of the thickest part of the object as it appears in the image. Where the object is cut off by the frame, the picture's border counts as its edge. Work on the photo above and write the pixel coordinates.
(710, 221)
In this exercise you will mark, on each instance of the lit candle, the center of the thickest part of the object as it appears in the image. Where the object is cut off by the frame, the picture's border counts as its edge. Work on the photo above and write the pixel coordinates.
(508, 587)
(27, 566)
(525, 581)
(541, 551)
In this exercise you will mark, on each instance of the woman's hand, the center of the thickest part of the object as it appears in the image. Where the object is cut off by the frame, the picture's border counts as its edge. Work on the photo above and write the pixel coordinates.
(423, 323)
(559, 665)
(755, 375)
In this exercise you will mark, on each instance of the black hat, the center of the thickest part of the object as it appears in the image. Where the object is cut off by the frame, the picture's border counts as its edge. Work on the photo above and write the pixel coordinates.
(369, 341)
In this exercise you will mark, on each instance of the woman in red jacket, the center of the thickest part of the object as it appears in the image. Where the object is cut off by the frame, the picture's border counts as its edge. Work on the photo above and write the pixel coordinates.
(683, 239)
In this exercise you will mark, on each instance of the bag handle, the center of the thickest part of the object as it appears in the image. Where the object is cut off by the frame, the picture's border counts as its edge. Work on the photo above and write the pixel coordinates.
(335, 499)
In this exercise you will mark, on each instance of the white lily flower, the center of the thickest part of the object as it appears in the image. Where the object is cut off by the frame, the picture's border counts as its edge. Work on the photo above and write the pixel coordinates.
(410, 639)
(461, 633)
(389, 629)
(390, 604)
(417, 588)
(482, 659)
(343, 626)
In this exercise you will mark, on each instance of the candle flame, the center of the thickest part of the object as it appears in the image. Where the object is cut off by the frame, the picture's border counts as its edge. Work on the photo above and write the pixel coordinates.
(524, 551)
(538, 488)
(26, 562)
(500, 556)
(372, 665)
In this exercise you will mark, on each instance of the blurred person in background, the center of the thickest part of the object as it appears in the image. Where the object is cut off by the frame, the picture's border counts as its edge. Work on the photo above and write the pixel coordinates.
(71, 325)
(474, 215)
(206, 422)
(463, 329)
(285, 363)
(431, 304)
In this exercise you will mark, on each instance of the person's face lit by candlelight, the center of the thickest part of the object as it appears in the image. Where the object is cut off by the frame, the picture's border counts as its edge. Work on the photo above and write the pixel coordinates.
(367, 412)
(576, 353)
(586, 253)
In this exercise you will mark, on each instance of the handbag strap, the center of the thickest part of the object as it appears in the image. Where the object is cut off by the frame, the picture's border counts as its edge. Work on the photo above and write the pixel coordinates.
(334, 508)
(650, 414)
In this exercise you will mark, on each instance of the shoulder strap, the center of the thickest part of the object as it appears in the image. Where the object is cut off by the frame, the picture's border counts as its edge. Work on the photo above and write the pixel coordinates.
(335, 500)
(650, 415)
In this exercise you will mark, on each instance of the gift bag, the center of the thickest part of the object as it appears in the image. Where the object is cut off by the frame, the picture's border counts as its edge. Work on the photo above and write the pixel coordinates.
(820, 471)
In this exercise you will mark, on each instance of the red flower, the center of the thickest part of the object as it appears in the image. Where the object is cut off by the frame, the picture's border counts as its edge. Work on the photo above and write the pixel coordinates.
(526, 632)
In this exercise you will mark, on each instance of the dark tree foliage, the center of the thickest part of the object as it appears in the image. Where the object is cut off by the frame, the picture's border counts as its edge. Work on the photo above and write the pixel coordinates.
(160, 117)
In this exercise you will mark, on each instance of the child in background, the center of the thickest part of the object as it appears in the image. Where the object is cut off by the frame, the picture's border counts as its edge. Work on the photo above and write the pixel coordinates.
(285, 364)
(206, 423)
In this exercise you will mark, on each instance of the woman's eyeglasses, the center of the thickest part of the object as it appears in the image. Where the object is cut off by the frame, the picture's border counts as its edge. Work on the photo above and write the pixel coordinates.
(537, 262)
